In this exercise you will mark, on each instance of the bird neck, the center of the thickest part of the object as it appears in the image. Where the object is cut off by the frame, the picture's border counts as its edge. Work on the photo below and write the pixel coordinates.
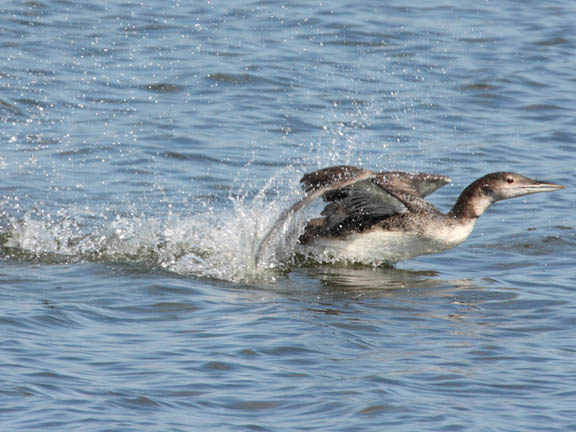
(471, 203)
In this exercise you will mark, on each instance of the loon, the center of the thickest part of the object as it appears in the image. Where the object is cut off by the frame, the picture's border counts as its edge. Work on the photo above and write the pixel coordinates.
(382, 217)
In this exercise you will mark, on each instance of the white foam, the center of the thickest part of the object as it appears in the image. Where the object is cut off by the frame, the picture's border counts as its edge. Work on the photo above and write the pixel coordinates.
(214, 243)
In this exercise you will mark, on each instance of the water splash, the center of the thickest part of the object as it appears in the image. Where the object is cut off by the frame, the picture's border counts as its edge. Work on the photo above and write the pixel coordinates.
(216, 243)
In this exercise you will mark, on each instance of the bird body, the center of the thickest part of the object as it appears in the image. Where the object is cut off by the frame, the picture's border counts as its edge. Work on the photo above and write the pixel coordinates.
(375, 218)
(379, 247)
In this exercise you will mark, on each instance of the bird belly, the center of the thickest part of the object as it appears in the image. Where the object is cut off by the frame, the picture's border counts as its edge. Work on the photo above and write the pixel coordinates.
(372, 248)
(377, 247)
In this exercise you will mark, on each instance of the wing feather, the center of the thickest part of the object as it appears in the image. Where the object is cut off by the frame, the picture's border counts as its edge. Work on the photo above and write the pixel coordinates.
(316, 184)
(331, 176)
(358, 198)
(425, 183)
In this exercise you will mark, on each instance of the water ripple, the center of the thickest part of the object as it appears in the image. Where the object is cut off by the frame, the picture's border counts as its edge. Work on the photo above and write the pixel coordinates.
(147, 147)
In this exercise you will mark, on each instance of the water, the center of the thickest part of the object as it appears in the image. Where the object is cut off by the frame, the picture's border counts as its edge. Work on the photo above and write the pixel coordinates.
(148, 146)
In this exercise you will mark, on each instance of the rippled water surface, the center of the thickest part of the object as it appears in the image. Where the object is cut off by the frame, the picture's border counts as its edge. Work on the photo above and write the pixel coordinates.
(147, 147)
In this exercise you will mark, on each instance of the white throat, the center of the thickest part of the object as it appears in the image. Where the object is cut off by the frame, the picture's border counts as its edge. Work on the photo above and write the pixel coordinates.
(481, 203)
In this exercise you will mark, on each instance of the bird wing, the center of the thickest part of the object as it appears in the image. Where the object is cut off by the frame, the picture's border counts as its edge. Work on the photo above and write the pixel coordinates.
(421, 184)
(332, 177)
(365, 202)
(360, 197)
(426, 183)
(316, 184)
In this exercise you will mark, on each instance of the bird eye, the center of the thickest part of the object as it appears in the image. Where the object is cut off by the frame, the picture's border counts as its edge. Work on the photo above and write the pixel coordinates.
(509, 180)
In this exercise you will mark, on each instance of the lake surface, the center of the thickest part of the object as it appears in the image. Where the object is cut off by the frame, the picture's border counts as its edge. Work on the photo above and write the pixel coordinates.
(146, 148)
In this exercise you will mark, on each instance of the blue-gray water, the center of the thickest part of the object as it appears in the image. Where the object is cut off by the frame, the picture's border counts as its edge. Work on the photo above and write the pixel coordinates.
(147, 146)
